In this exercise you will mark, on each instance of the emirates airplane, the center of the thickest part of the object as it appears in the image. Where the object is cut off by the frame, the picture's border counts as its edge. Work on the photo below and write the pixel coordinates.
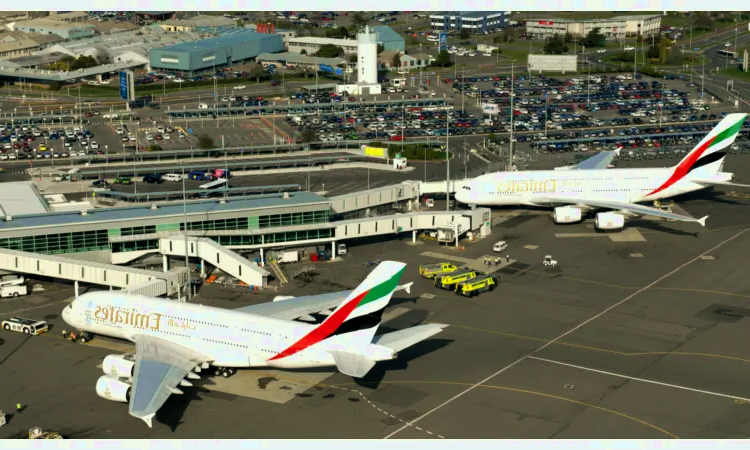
(591, 185)
(174, 341)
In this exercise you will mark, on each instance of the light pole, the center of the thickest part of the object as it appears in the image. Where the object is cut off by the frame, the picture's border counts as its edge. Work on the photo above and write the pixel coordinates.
(512, 114)
(726, 57)
(447, 162)
(184, 214)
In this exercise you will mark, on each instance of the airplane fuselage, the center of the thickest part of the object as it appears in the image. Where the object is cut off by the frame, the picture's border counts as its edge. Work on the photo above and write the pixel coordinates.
(227, 338)
(622, 185)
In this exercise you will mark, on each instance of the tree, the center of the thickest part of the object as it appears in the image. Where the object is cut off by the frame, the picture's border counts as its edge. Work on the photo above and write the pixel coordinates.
(624, 57)
(703, 22)
(653, 52)
(381, 49)
(352, 58)
(675, 56)
(664, 47)
(594, 38)
(555, 46)
(303, 52)
(55, 86)
(340, 32)
(443, 59)
(396, 61)
(359, 19)
(205, 142)
(568, 38)
(510, 34)
(155, 148)
(464, 33)
(329, 51)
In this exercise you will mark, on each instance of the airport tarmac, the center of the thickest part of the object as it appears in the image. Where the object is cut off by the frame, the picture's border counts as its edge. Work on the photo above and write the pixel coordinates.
(620, 340)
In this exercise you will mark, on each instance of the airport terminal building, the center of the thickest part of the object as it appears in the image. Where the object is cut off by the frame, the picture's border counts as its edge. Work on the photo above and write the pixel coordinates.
(233, 234)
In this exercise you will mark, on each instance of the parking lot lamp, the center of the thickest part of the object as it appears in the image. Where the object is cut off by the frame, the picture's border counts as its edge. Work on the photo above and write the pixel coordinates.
(447, 162)
(106, 153)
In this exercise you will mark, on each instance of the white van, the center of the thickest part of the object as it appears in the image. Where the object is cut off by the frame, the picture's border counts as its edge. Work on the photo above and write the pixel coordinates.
(500, 246)
(202, 106)
(341, 249)
(13, 291)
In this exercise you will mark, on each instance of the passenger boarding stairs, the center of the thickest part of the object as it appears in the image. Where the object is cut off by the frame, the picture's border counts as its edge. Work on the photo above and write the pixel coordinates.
(278, 272)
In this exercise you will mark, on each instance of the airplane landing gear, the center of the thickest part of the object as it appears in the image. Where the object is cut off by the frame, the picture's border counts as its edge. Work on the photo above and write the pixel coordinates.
(225, 372)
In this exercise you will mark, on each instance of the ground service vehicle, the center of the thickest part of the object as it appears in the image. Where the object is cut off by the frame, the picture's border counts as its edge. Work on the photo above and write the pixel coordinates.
(449, 280)
(27, 326)
(431, 270)
(476, 286)
(123, 180)
(13, 291)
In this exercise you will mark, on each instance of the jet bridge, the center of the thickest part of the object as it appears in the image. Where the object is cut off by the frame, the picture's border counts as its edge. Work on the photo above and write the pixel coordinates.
(166, 283)
(217, 255)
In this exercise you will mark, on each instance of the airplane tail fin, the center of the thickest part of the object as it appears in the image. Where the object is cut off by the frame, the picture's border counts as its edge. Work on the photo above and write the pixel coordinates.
(707, 158)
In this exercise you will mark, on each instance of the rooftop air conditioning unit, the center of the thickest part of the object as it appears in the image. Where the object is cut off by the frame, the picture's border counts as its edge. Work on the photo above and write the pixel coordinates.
(154, 207)
(285, 196)
(8, 218)
(84, 213)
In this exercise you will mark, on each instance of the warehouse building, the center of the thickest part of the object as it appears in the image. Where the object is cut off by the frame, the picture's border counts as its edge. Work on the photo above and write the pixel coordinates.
(309, 45)
(197, 22)
(66, 30)
(210, 54)
(18, 44)
(476, 22)
(295, 60)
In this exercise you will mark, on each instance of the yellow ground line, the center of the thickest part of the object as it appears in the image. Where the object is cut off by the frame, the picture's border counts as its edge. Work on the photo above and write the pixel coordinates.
(585, 347)
(526, 391)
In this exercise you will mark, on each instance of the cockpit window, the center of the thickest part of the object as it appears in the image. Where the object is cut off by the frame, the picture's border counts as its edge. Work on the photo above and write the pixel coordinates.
(466, 188)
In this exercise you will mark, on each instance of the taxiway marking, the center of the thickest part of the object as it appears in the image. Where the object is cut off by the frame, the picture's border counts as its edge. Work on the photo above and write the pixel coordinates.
(572, 330)
(627, 377)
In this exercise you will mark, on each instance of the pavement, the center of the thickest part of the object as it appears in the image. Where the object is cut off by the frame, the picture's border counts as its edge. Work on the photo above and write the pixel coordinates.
(620, 340)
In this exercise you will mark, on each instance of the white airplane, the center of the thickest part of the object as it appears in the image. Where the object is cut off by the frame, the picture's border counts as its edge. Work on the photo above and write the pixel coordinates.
(176, 340)
(591, 185)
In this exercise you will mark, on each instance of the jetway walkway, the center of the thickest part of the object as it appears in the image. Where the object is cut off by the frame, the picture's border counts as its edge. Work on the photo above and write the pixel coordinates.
(477, 220)
(438, 187)
(217, 255)
(52, 266)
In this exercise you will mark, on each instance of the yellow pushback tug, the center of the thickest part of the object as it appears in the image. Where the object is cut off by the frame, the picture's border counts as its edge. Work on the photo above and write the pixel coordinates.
(475, 286)
(431, 270)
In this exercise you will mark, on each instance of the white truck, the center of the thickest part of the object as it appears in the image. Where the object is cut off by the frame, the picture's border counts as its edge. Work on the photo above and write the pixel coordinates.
(13, 291)
(341, 249)
(287, 257)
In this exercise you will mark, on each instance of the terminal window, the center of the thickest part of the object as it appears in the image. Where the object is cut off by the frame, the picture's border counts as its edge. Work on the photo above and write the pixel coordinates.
(83, 241)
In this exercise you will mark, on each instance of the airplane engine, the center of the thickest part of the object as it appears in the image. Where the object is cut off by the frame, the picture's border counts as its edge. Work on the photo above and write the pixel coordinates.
(609, 221)
(279, 298)
(566, 214)
(110, 388)
(119, 366)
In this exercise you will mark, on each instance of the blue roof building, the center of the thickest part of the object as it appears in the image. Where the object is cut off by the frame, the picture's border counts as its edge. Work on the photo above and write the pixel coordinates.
(222, 51)
(389, 39)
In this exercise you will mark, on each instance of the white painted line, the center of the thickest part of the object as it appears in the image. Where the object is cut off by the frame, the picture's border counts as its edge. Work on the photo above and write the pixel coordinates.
(471, 388)
(676, 386)
(31, 309)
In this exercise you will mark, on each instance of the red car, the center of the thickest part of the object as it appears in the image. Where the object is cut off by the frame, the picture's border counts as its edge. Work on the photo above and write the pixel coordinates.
(396, 138)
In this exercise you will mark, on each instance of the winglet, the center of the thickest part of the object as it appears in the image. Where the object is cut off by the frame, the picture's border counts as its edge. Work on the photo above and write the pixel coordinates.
(702, 221)
(148, 419)
(617, 151)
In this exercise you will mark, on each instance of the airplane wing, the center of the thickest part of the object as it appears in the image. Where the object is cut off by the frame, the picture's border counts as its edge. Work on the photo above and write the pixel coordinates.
(160, 366)
(633, 208)
(399, 340)
(297, 307)
(709, 183)
(597, 162)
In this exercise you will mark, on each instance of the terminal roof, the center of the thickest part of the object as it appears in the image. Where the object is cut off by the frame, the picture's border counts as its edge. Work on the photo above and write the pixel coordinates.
(121, 215)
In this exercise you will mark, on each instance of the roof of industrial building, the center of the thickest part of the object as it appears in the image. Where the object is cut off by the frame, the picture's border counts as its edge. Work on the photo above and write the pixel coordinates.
(238, 37)
(555, 20)
(35, 60)
(296, 58)
(323, 41)
(50, 24)
(386, 34)
(20, 198)
(38, 219)
(201, 21)
(12, 70)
